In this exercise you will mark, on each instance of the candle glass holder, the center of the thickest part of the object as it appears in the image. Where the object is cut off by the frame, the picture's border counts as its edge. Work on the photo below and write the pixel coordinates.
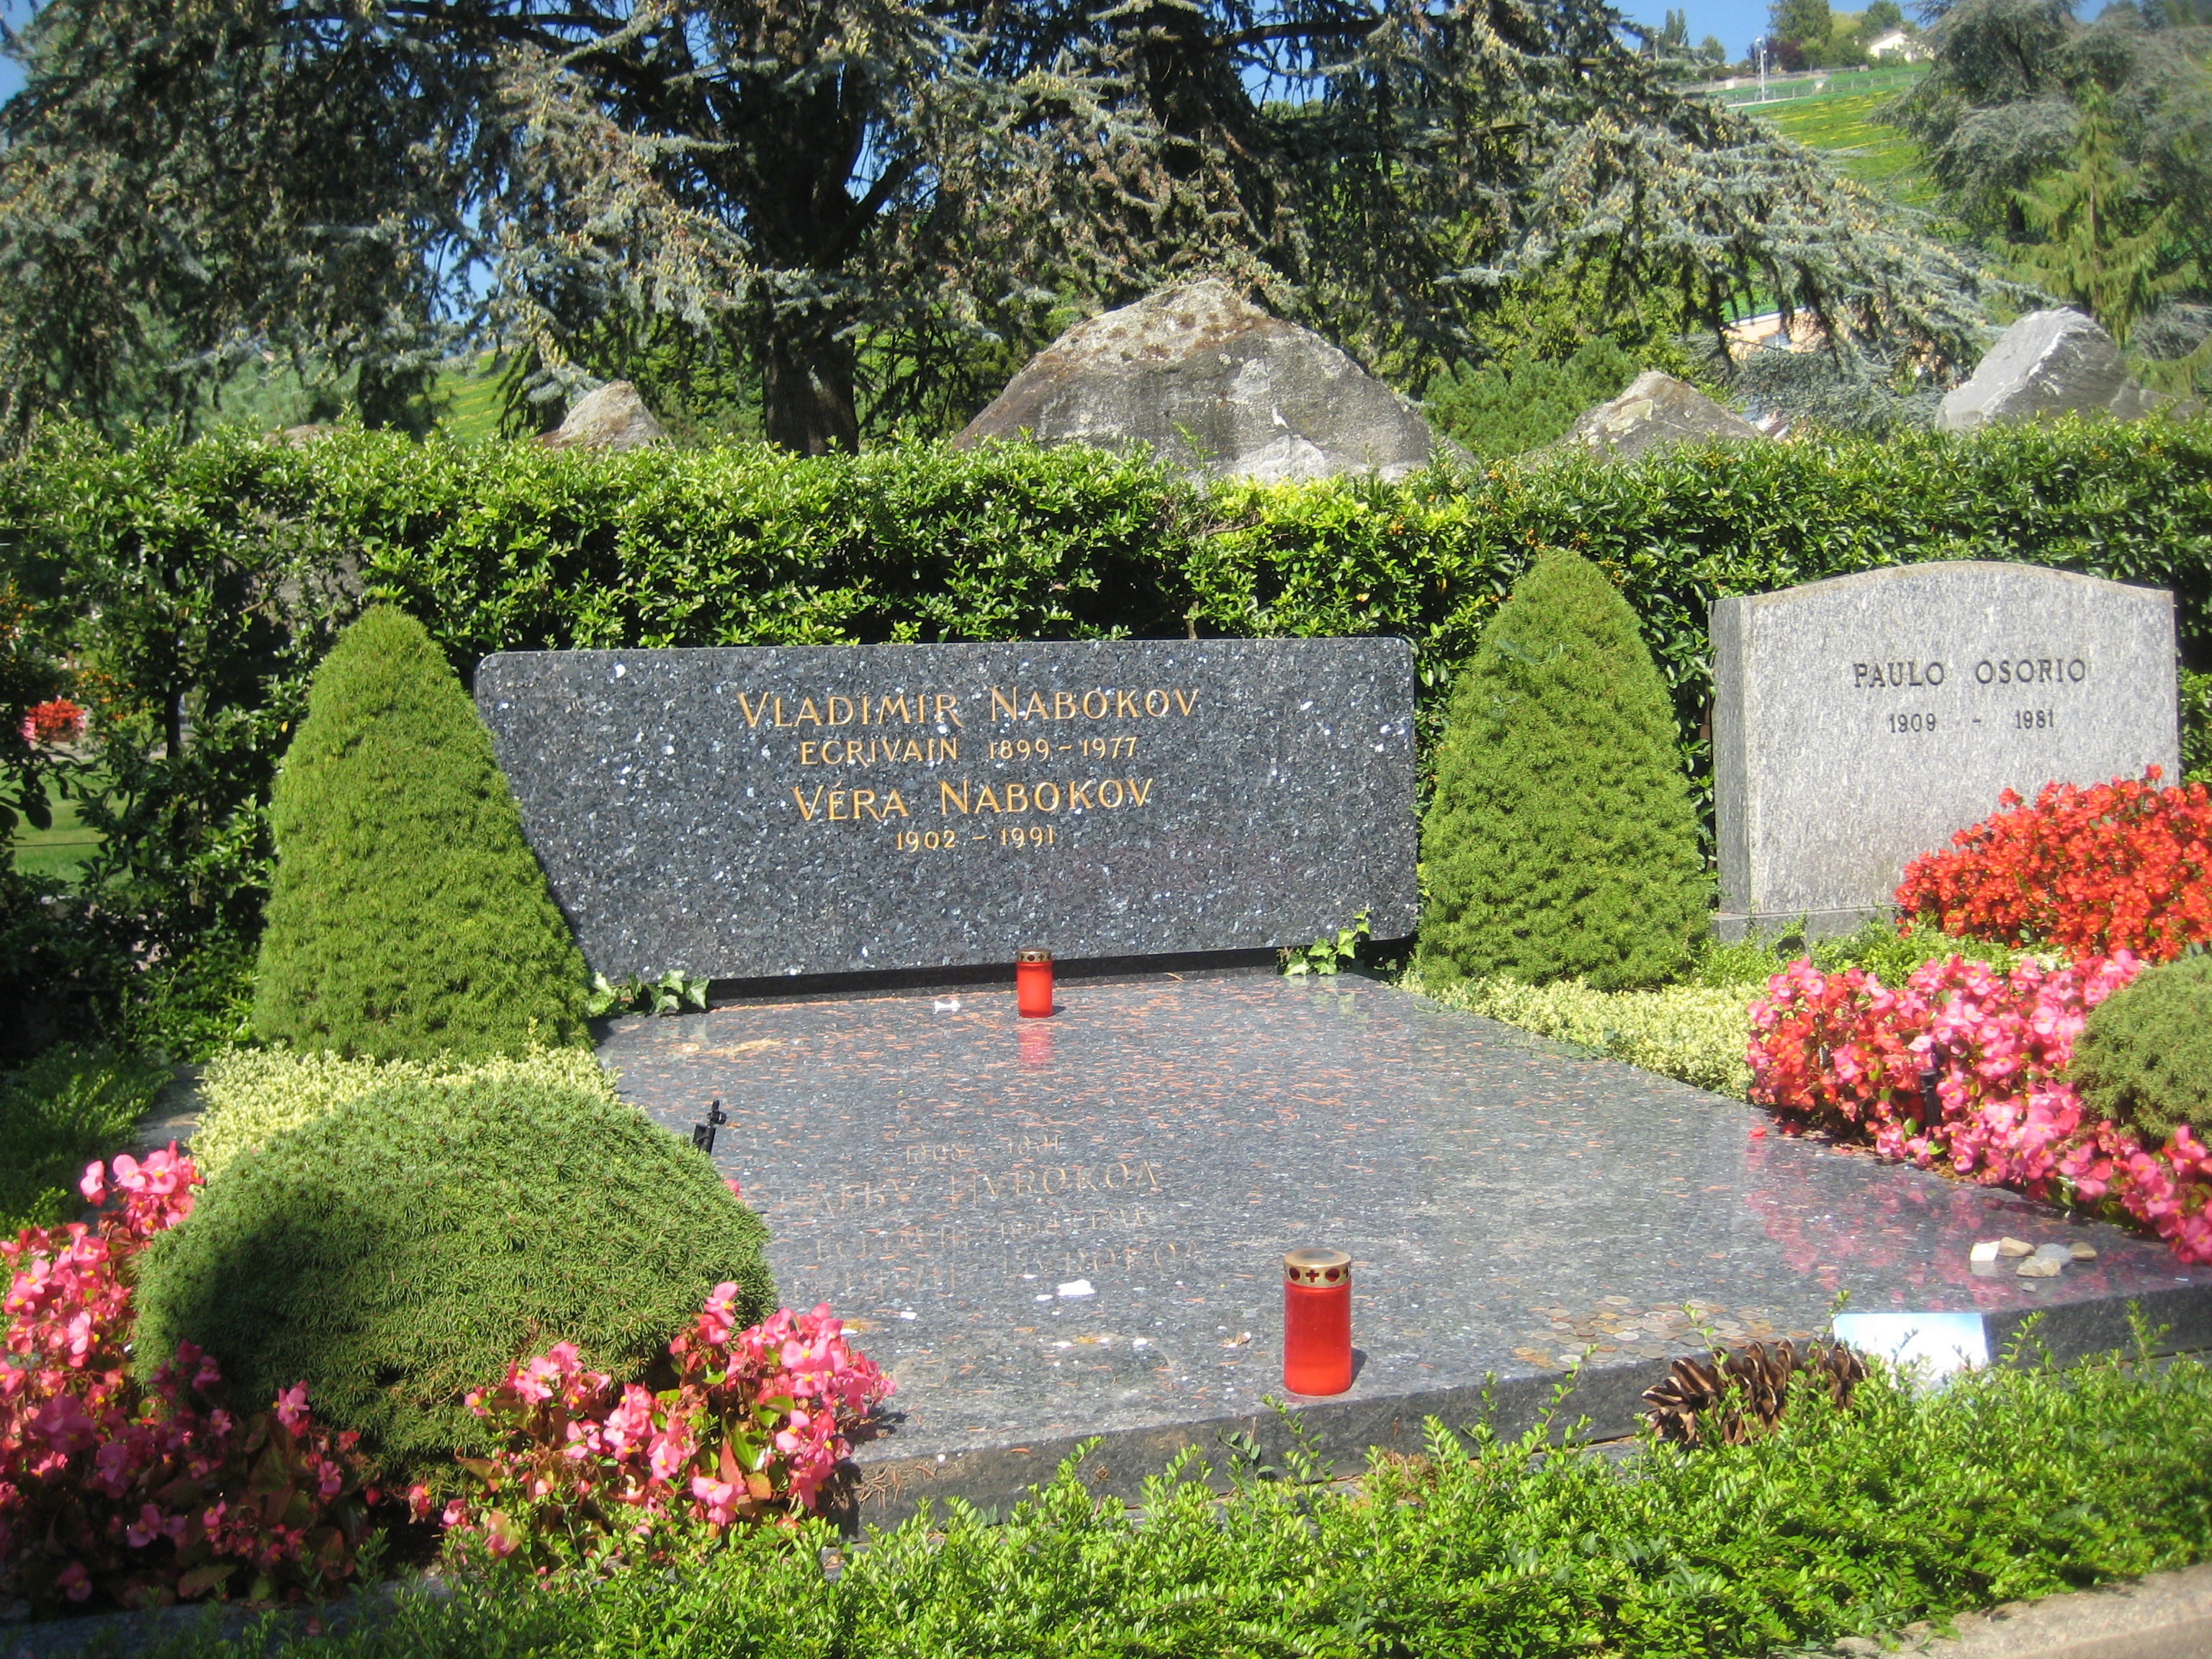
(1316, 1322)
(1033, 984)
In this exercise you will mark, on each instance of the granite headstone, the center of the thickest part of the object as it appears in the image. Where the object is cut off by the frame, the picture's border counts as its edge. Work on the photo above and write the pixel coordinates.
(1860, 722)
(746, 813)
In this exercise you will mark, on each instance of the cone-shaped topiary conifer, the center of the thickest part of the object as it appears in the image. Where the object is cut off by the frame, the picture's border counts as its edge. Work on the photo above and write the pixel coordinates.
(408, 917)
(2144, 1058)
(1561, 841)
(409, 1246)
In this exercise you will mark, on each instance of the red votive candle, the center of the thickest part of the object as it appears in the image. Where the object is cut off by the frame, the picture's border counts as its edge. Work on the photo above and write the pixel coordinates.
(1316, 1322)
(1033, 983)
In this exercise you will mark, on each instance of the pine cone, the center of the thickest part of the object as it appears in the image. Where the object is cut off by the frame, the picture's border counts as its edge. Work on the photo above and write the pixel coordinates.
(1744, 1391)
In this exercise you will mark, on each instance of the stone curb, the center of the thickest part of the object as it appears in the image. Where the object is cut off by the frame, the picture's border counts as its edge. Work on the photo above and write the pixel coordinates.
(2167, 1615)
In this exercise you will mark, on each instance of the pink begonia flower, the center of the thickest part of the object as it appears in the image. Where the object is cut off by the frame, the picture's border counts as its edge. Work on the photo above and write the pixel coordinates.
(720, 1497)
(94, 1184)
(74, 1581)
(455, 1513)
(671, 1448)
(736, 1191)
(292, 1406)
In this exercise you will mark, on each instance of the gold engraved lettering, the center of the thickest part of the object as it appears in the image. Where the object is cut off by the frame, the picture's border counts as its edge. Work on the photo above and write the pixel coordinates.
(1038, 793)
(1018, 797)
(807, 711)
(947, 801)
(1115, 784)
(1162, 710)
(1037, 706)
(837, 800)
(944, 705)
(1083, 1182)
(1139, 791)
(1079, 794)
(752, 714)
(833, 703)
(1099, 714)
(1024, 1182)
(1063, 705)
(986, 798)
(864, 800)
(1126, 704)
(999, 700)
(1185, 702)
(1044, 1179)
(894, 805)
(942, 748)
(806, 754)
(780, 720)
(807, 809)
(855, 751)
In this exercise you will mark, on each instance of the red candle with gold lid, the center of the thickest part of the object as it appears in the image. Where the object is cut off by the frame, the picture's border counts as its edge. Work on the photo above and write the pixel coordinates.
(1316, 1322)
(1033, 984)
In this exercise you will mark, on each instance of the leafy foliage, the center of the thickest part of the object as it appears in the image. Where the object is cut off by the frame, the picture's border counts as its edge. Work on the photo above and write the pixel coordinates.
(671, 994)
(69, 1105)
(2145, 1058)
(1526, 404)
(2011, 1483)
(1561, 841)
(914, 197)
(408, 917)
(411, 1247)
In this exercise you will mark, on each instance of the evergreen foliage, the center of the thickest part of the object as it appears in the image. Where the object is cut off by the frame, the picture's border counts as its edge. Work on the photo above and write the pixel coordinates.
(408, 917)
(66, 1108)
(2145, 1057)
(1561, 841)
(411, 1247)
(1527, 402)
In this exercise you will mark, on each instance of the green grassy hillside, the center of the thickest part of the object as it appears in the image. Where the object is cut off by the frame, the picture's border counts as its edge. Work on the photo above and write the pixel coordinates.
(1844, 123)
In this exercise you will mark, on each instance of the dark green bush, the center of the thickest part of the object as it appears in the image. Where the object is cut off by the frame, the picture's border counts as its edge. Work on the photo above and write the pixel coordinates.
(411, 1245)
(1560, 840)
(1511, 407)
(69, 1106)
(2144, 1059)
(408, 917)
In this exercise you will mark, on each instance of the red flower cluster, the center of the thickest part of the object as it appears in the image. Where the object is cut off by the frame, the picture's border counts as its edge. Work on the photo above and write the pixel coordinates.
(1847, 1052)
(758, 1419)
(146, 1495)
(56, 721)
(2119, 866)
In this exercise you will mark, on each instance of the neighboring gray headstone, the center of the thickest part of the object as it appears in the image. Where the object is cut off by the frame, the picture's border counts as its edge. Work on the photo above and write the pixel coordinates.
(1861, 721)
(2049, 362)
(1657, 409)
(742, 813)
(613, 417)
(1215, 386)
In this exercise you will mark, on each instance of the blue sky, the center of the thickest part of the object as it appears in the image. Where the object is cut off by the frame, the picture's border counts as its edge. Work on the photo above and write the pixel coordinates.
(1738, 22)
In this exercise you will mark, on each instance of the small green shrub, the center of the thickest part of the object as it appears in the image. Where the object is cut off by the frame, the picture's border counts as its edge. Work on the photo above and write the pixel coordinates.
(406, 1248)
(1526, 403)
(1878, 947)
(250, 1095)
(2144, 1059)
(1696, 1034)
(408, 918)
(66, 1108)
(1561, 842)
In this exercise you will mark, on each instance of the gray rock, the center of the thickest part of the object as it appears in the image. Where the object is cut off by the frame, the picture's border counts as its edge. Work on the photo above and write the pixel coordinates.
(2049, 362)
(1655, 410)
(1214, 386)
(2041, 1266)
(613, 417)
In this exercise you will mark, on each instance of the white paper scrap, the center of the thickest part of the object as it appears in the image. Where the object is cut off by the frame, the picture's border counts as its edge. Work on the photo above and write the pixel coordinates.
(1934, 1343)
(1077, 1287)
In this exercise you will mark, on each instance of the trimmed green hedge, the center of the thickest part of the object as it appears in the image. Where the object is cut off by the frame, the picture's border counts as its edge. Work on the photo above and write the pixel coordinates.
(512, 546)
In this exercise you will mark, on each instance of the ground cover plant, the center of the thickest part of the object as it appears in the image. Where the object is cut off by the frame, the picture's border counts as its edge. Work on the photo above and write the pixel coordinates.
(408, 917)
(249, 1095)
(2015, 1482)
(1560, 840)
(70, 1105)
(406, 1249)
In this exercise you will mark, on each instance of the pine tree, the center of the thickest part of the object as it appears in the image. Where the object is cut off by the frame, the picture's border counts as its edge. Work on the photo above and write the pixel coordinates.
(1561, 841)
(408, 917)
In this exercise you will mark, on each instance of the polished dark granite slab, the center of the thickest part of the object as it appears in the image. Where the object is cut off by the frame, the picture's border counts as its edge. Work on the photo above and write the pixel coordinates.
(796, 811)
(947, 1174)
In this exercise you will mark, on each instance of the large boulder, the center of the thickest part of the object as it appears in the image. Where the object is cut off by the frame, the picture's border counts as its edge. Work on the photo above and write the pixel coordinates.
(1655, 410)
(1216, 387)
(2049, 362)
(613, 417)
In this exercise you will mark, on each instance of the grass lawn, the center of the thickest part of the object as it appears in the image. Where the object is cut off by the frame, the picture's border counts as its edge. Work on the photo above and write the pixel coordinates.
(57, 853)
(1845, 124)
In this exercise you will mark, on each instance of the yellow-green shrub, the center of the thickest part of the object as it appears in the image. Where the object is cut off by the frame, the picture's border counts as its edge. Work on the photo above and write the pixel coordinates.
(1697, 1033)
(252, 1095)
